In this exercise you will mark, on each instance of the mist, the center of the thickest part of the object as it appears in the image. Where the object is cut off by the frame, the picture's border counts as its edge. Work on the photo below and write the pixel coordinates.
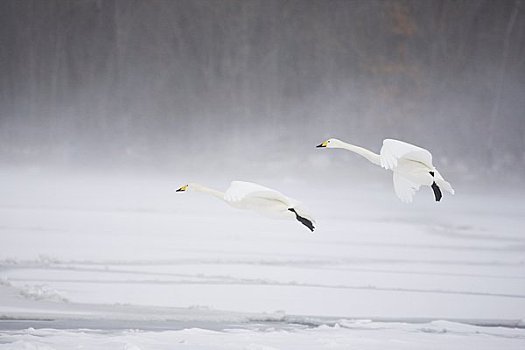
(165, 85)
(108, 106)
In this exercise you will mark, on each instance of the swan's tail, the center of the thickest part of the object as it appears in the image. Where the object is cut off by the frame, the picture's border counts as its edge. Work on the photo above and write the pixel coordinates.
(442, 183)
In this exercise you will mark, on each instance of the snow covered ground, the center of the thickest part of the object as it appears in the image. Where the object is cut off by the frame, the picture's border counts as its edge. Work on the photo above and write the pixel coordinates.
(130, 264)
(347, 335)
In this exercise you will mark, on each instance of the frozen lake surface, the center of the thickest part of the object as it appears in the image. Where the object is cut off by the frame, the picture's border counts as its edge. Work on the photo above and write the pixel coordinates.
(114, 261)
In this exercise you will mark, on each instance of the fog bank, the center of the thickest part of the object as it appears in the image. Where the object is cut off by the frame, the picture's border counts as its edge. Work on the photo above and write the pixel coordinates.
(170, 84)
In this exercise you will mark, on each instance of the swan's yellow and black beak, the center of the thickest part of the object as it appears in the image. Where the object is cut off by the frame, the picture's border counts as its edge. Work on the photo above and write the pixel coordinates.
(182, 189)
(322, 144)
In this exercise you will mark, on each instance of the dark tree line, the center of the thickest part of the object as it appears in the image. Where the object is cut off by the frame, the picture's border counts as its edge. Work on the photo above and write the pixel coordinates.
(130, 78)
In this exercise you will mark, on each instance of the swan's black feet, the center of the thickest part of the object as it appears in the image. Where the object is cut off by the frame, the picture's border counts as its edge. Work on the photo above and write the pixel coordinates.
(302, 220)
(436, 189)
(437, 192)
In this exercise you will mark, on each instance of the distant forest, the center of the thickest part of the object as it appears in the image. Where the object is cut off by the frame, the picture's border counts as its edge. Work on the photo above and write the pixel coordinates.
(118, 78)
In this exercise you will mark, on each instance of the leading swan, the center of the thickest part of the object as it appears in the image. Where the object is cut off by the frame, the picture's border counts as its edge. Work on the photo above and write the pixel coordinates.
(412, 166)
(251, 196)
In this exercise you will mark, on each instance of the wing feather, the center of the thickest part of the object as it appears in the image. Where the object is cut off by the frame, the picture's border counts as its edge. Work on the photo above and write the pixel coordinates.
(405, 189)
(240, 190)
(393, 150)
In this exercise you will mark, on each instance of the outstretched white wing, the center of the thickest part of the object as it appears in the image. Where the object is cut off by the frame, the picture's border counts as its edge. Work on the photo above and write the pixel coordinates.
(240, 190)
(405, 188)
(393, 150)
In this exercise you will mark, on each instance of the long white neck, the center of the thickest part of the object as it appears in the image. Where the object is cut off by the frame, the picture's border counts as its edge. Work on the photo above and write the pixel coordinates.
(371, 156)
(204, 189)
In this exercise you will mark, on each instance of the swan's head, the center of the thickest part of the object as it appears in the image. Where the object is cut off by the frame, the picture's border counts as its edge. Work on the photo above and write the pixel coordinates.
(183, 188)
(190, 187)
(330, 143)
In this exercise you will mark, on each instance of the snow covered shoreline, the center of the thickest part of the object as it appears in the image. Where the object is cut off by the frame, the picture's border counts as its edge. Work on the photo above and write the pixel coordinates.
(343, 335)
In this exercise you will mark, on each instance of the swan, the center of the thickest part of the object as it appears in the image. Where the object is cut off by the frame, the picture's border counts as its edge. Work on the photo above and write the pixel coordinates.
(412, 166)
(251, 196)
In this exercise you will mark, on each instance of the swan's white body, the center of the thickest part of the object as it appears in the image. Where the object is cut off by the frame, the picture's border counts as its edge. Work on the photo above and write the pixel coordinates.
(251, 196)
(412, 166)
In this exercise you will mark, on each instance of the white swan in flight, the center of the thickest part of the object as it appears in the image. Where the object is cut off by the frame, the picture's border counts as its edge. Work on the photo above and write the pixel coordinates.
(412, 166)
(251, 196)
